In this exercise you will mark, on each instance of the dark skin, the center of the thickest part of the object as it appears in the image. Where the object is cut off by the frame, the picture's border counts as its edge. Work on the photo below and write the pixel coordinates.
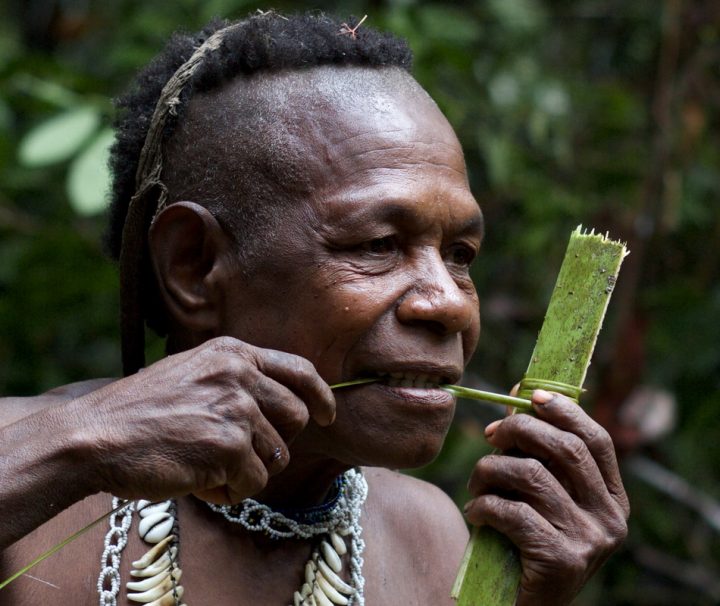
(368, 274)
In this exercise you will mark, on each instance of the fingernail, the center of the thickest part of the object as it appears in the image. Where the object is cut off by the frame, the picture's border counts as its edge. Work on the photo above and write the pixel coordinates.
(490, 429)
(540, 396)
(466, 507)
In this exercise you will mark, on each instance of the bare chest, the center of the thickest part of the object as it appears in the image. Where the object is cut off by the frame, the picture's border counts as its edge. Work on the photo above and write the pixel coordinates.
(219, 565)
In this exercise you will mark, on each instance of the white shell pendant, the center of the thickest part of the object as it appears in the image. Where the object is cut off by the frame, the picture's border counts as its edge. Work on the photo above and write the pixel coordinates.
(334, 579)
(328, 590)
(323, 585)
(158, 591)
(154, 553)
(156, 574)
(330, 556)
(145, 508)
(337, 543)
(156, 526)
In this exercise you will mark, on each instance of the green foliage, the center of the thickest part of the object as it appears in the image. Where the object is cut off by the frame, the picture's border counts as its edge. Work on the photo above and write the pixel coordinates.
(59, 138)
(600, 113)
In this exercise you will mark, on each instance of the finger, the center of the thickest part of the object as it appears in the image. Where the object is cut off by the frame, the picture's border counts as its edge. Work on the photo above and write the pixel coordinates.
(568, 416)
(285, 411)
(299, 375)
(563, 451)
(528, 480)
(247, 478)
(524, 526)
(269, 447)
(246, 465)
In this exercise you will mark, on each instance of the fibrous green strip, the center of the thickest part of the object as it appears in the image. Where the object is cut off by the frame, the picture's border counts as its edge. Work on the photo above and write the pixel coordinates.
(61, 544)
(490, 571)
(488, 396)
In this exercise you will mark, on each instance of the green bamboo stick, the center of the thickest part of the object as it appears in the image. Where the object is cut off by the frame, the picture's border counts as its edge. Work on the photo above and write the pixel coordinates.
(490, 571)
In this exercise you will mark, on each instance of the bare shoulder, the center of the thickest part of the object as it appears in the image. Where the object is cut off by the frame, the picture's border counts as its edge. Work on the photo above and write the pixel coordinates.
(15, 408)
(408, 500)
(415, 534)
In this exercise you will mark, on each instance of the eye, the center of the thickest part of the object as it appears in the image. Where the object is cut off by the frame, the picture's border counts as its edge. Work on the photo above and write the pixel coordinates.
(380, 246)
(461, 255)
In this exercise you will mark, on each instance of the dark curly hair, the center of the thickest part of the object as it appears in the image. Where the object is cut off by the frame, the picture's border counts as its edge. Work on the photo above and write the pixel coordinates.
(263, 42)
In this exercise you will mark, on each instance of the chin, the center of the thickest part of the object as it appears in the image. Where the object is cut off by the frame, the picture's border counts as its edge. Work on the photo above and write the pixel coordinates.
(386, 432)
(405, 450)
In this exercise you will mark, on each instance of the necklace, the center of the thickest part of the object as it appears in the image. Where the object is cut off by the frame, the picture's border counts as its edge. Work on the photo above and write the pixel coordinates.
(157, 573)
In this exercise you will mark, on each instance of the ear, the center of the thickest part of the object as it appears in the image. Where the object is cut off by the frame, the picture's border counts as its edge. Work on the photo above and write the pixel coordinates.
(188, 250)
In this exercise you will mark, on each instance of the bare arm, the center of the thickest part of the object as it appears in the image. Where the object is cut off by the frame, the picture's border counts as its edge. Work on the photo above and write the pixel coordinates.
(14, 409)
(41, 470)
(214, 421)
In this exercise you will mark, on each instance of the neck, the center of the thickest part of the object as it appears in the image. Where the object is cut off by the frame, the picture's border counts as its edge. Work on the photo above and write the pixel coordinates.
(305, 482)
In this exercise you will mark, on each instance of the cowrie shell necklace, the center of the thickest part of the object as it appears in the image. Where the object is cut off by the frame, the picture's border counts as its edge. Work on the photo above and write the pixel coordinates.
(157, 573)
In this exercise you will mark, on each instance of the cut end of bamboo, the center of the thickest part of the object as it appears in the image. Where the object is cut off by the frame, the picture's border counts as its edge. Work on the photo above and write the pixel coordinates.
(603, 238)
(577, 307)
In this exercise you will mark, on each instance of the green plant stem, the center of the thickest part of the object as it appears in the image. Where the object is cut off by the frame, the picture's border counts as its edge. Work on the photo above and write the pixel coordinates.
(488, 396)
(354, 382)
(461, 392)
(60, 545)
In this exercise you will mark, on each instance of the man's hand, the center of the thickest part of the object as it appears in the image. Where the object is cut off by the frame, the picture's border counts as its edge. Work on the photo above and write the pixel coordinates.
(563, 504)
(214, 421)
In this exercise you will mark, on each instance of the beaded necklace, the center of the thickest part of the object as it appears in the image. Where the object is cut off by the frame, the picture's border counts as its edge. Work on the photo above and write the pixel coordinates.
(157, 574)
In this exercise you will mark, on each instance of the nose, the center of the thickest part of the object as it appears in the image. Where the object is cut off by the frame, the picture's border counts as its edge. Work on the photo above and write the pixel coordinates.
(436, 301)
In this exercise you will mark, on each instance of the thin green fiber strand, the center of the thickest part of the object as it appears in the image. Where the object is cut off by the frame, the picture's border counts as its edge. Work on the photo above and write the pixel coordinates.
(60, 545)
(490, 571)
(488, 396)
(457, 390)
(461, 392)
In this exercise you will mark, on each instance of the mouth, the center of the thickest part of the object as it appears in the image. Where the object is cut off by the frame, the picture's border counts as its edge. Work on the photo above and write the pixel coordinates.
(413, 385)
(417, 375)
(418, 380)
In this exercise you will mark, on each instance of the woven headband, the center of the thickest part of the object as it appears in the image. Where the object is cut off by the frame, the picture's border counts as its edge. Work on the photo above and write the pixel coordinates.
(141, 212)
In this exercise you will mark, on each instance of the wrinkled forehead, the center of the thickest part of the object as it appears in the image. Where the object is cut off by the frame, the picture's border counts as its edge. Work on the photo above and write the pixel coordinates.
(292, 124)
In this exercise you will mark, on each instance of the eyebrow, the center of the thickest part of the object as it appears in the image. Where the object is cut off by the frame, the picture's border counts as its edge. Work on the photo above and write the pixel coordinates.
(474, 225)
(391, 212)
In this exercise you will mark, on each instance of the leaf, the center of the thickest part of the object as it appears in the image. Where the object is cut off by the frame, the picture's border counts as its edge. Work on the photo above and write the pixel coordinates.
(518, 15)
(89, 176)
(451, 26)
(6, 116)
(59, 138)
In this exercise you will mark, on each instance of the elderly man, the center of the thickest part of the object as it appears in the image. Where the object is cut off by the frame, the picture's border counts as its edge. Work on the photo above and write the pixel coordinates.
(292, 210)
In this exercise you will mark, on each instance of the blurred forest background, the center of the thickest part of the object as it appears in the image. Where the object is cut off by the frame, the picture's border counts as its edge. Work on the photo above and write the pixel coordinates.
(597, 112)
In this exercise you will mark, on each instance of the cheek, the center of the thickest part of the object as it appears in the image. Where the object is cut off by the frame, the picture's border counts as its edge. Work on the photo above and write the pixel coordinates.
(343, 317)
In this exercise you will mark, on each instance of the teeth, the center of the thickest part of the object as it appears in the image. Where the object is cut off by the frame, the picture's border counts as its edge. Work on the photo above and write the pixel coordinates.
(409, 379)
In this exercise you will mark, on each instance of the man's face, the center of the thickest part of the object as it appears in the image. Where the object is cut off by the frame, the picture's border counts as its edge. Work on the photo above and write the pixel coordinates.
(368, 274)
